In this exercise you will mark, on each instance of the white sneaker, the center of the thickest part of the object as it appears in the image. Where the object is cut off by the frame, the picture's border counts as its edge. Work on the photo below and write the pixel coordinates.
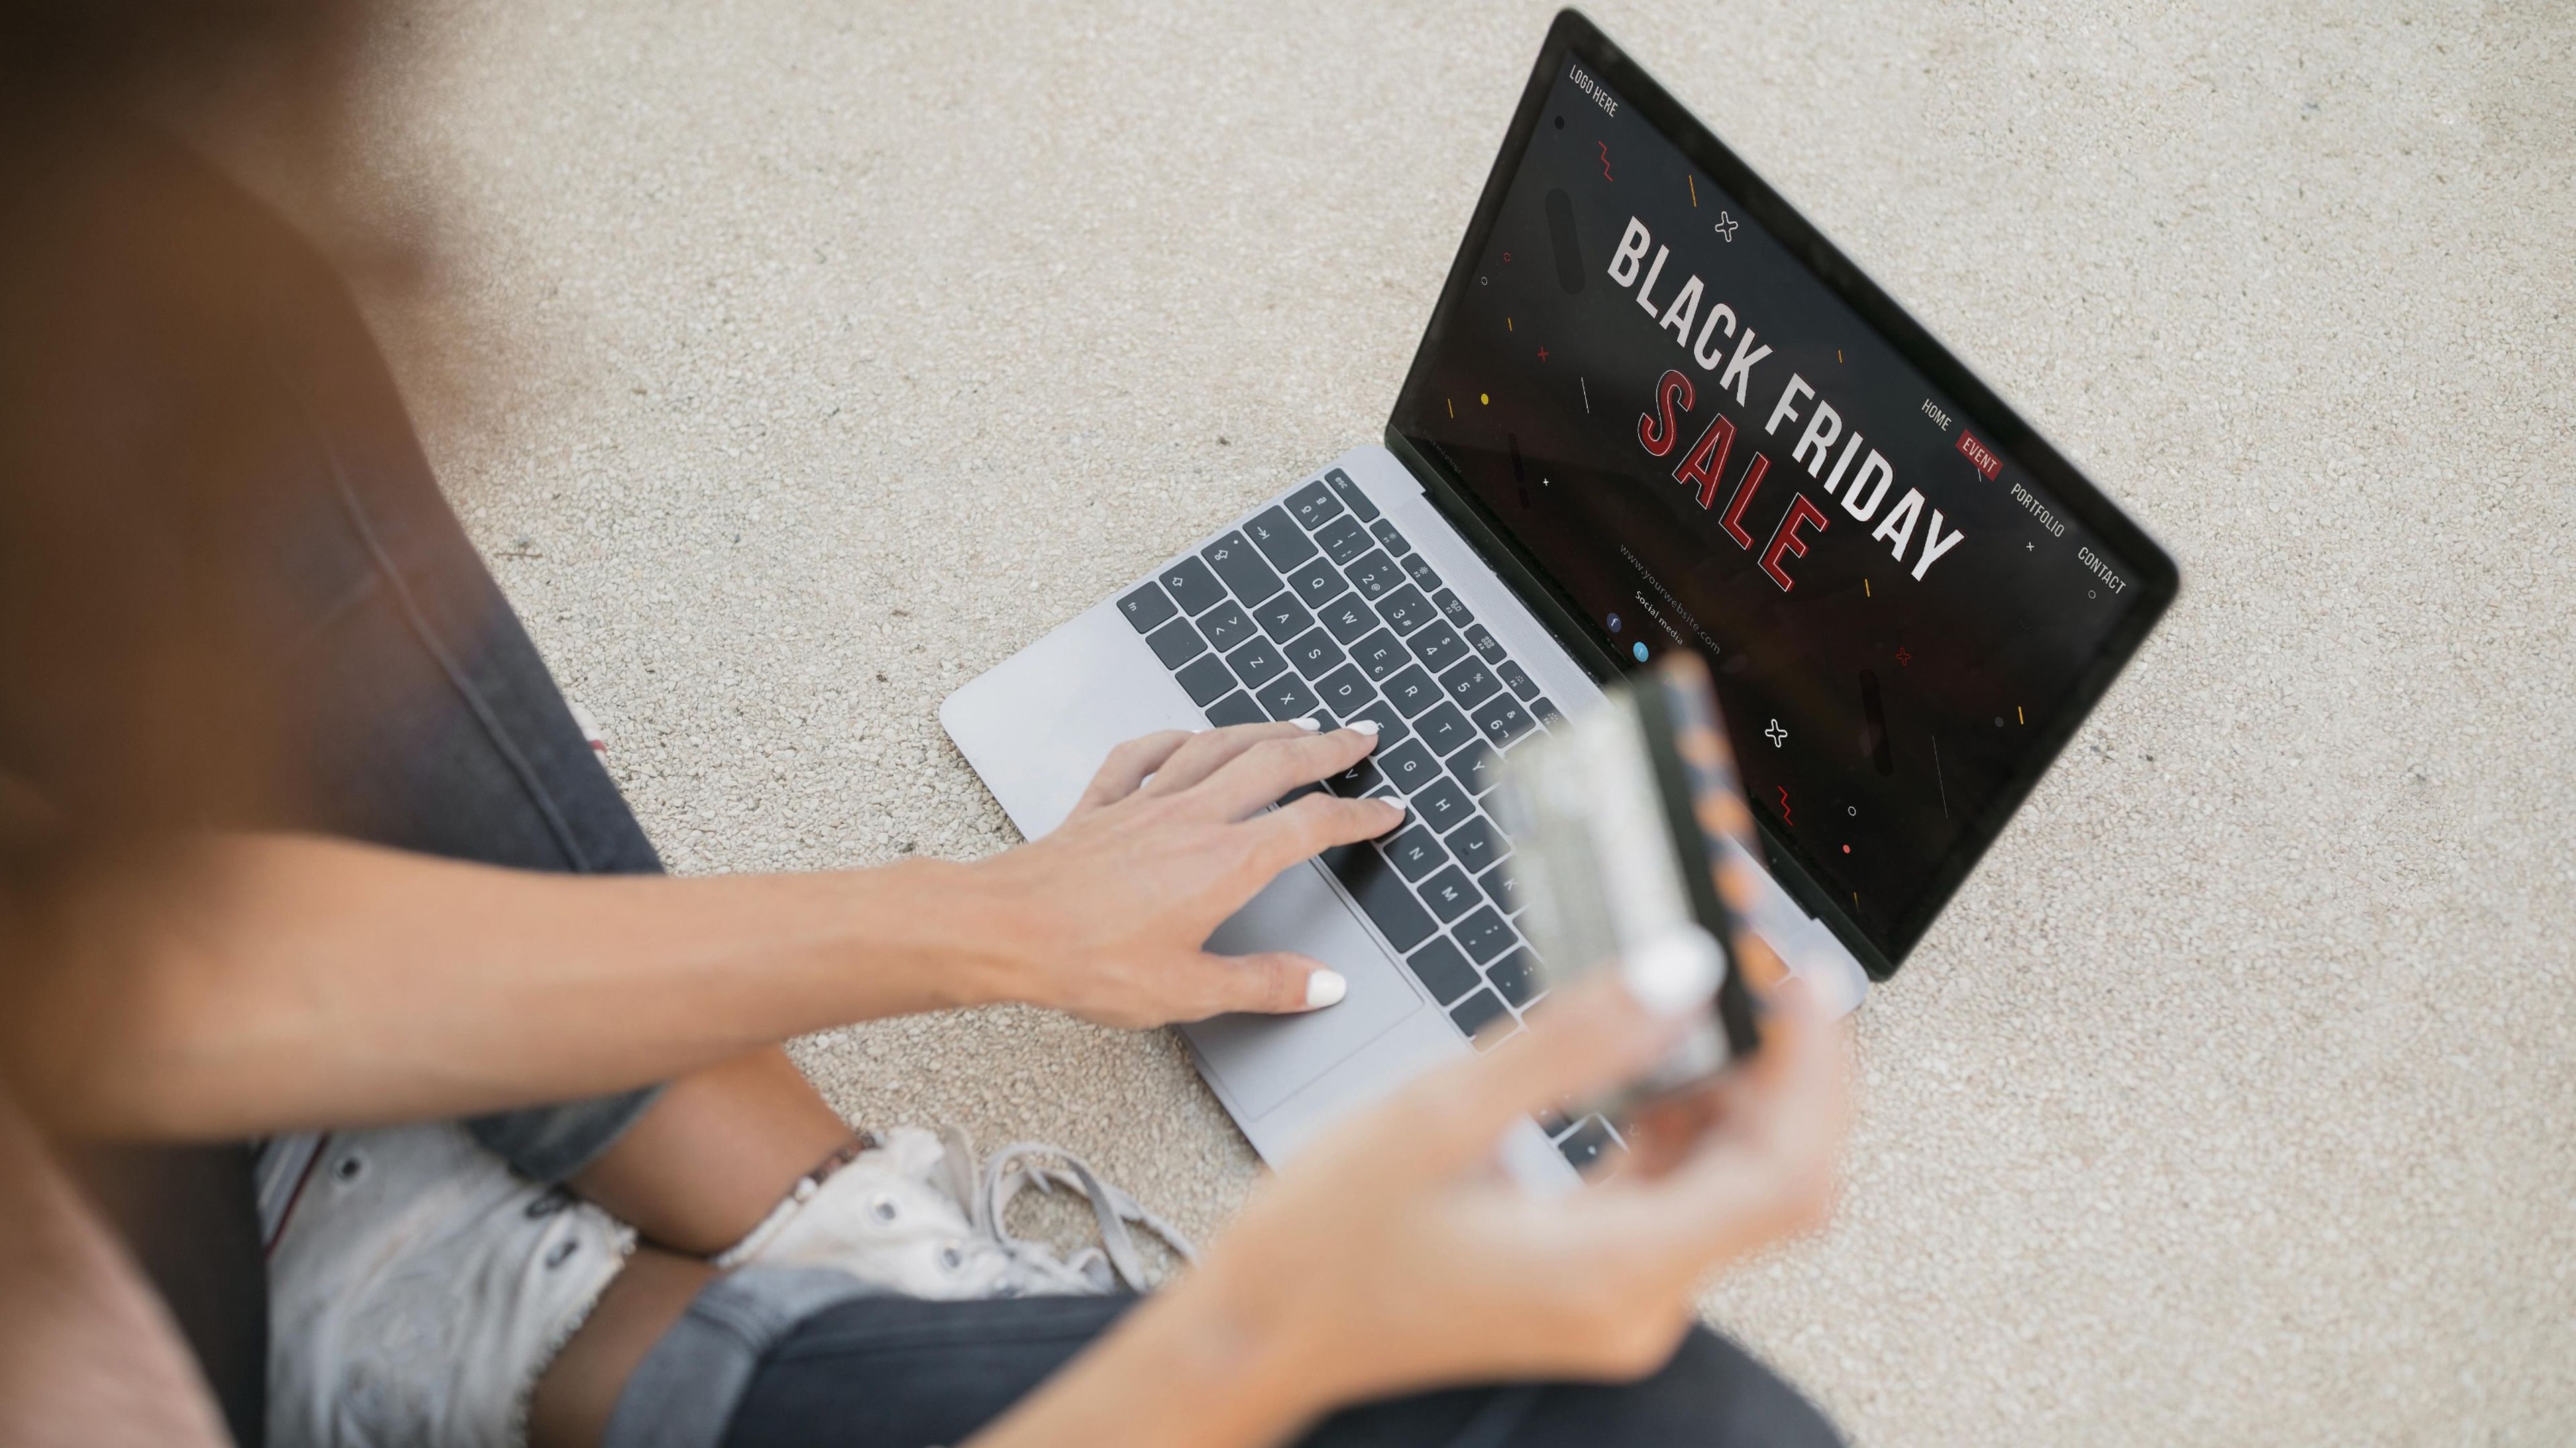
(418, 1288)
(915, 1216)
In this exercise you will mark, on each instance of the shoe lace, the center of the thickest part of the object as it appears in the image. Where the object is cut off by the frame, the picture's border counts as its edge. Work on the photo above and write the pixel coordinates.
(987, 1190)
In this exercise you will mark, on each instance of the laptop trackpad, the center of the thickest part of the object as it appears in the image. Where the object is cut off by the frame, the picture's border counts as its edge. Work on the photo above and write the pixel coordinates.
(1263, 1060)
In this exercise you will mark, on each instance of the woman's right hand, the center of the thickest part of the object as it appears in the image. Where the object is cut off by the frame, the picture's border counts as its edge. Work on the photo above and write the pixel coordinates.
(1395, 1255)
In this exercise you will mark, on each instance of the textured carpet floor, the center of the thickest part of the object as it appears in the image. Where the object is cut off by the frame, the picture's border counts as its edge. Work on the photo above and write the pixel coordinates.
(829, 353)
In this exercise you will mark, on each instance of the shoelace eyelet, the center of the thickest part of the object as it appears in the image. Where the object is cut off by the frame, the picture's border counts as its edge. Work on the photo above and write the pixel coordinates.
(882, 1208)
(952, 1257)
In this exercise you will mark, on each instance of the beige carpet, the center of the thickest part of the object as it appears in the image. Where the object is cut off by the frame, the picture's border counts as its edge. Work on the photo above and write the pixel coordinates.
(832, 352)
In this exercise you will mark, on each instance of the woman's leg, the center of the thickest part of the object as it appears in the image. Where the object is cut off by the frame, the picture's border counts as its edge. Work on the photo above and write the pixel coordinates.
(897, 1371)
(420, 715)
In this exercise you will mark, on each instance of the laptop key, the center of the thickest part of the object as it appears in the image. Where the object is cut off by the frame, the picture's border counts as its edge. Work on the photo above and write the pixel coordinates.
(1516, 976)
(1234, 560)
(1383, 896)
(1351, 495)
(1405, 609)
(1257, 662)
(1438, 646)
(1379, 654)
(1280, 541)
(1451, 609)
(1421, 573)
(1477, 843)
(1543, 710)
(1588, 1142)
(1406, 764)
(1445, 729)
(1315, 581)
(1389, 539)
(1206, 680)
(1416, 853)
(1287, 697)
(1348, 618)
(1442, 805)
(1176, 643)
(1470, 683)
(1443, 971)
(1482, 640)
(1314, 654)
(1479, 1011)
(1283, 617)
(1503, 888)
(1227, 625)
(1359, 780)
(1476, 768)
(1148, 607)
(1235, 708)
(1451, 894)
(1516, 679)
(1410, 689)
(1391, 728)
(1314, 505)
(1502, 719)
(1192, 586)
(1483, 935)
(1345, 691)
(1373, 574)
(1344, 539)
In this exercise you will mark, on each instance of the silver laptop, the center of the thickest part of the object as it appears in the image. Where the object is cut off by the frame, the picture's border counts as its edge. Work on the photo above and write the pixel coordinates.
(1654, 409)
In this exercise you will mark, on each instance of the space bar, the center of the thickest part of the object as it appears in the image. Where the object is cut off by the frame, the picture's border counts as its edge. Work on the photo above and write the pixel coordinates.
(1382, 893)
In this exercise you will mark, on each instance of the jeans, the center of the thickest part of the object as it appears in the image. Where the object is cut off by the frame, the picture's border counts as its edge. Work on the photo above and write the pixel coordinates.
(769, 1358)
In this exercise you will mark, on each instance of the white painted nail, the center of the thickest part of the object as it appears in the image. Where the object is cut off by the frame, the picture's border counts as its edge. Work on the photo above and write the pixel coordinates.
(1324, 987)
(1362, 726)
(1675, 973)
(1310, 724)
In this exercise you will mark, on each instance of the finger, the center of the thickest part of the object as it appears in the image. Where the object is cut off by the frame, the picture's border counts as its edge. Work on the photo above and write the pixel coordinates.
(1210, 751)
(1272, 767)
(1276, 982)
(1593, 1036)
(1316, 822)
(1128, 765)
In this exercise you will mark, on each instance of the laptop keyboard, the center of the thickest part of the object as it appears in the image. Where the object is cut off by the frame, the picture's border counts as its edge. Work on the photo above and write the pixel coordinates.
(1318, 607)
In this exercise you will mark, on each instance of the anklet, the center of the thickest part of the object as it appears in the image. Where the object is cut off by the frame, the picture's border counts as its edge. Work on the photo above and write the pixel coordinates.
(797, 1196)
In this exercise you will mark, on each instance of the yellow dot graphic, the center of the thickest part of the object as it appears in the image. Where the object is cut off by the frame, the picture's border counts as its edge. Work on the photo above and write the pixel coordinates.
(1483, 398)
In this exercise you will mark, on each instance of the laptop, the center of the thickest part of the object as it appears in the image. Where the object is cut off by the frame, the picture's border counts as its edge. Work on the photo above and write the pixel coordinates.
(1654, 409)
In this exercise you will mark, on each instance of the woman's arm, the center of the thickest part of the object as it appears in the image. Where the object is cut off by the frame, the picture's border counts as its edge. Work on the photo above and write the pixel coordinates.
(241, 984)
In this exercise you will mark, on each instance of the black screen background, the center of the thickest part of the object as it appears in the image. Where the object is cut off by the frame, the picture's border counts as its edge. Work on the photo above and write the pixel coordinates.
(2004, 626)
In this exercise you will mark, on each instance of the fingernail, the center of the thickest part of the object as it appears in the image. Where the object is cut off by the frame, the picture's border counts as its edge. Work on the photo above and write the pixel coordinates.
(1400, 807)
(1324, 987)
(1675, 973)
(1362, 726)
(1310, 723)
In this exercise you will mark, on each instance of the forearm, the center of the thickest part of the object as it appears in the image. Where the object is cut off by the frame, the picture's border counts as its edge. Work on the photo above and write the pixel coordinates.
(260, 982)
(1208, 1363)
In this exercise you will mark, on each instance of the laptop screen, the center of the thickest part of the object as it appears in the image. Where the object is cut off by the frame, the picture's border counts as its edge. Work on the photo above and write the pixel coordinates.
(1699, 442)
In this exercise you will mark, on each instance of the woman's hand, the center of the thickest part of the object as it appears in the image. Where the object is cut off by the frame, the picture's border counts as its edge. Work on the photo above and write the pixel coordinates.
(1395, 1256)
(1108, 916)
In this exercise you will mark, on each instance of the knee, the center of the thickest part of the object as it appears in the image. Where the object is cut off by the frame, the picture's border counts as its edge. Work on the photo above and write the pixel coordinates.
(1714, 1393)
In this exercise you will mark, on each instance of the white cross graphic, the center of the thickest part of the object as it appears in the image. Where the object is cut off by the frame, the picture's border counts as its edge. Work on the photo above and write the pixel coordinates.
(1777, 735)
(1726, 227)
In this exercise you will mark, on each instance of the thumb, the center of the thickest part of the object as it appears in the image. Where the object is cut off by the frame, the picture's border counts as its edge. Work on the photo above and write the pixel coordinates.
(1272, 982)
